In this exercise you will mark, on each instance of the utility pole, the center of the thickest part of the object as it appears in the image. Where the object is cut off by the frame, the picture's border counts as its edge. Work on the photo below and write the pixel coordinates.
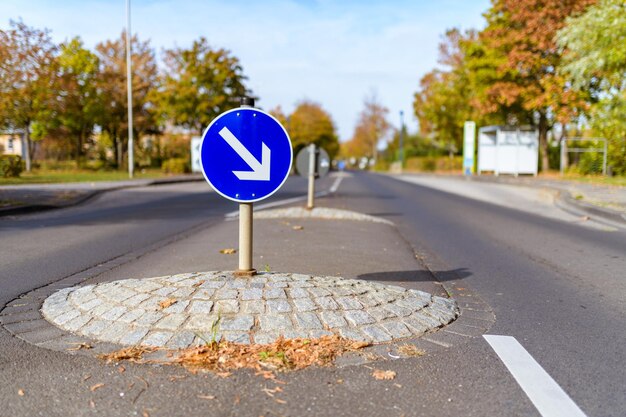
(129, 88)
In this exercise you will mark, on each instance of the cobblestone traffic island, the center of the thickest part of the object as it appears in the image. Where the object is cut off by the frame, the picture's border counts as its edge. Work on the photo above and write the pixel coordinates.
(187, 309)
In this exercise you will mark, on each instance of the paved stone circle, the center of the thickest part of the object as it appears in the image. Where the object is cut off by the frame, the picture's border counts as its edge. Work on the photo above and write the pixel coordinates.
(181, 310)
(317, 213)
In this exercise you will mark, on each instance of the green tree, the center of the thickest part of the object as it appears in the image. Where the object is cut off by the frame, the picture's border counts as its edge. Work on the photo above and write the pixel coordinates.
(199, 84)
(595, 61)
(111, 84)
(27, 79)
(444, 101)
(279, 114)
(5, 78)
(310, 123)
(78, 100)
(372, 127)
(520, 40)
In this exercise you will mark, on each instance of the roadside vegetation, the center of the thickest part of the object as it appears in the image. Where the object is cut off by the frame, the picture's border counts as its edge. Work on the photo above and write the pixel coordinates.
(42, 176)
(559, 67)
(66, 106)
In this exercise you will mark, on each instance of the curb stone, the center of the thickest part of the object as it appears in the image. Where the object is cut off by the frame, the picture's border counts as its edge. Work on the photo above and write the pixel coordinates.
(63, 308)
(22, 318)
(565, 201)
(86, 195)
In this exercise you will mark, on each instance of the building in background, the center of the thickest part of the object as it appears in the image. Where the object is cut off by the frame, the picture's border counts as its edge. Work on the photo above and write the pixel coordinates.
(11, 143)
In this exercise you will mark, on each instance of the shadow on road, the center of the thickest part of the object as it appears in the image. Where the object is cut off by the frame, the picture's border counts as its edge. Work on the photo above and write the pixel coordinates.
(384, 214)
(418, 275)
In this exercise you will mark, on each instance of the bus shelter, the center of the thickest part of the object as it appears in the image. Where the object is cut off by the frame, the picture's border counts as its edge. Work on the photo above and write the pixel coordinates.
(508, 150)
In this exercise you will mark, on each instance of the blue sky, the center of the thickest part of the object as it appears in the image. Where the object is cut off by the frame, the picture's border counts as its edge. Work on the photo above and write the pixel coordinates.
(332, 52)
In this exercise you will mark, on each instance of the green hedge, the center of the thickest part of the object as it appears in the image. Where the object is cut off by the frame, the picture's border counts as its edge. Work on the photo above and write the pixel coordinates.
(176, 166)
(11, 166)
(434, 163)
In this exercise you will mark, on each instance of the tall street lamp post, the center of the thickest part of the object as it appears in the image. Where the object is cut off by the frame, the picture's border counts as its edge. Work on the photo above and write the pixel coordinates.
(401, 150)
(129, 88)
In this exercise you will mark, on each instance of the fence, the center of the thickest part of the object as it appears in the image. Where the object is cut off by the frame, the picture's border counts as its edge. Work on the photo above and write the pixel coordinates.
(566, 149)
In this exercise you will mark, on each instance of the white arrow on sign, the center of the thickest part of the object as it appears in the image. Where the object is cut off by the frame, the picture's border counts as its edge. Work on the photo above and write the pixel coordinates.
(260, 170)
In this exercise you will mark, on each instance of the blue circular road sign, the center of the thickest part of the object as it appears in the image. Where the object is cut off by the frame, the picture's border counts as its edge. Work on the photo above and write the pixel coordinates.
(245, 155)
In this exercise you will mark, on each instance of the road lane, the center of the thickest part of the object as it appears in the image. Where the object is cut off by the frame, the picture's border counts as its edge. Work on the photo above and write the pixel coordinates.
(557, 287)
(40, 248)
(569, 320)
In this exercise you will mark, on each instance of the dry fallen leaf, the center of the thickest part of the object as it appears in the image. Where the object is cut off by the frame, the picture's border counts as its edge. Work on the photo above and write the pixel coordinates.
(132, 353)
(228, 251)
(266, 374)
(379, 374)
(206, 397)
(271, 392)
(298, 228)
(121, 369)
(95, 387)
(166, 303)
(20, 392)
(223, 357)
(410, 350)
(145, 383)
(92, 404)
(370, 356)
(279, 401)
(197, 284)
(79, 346)
(359, 345)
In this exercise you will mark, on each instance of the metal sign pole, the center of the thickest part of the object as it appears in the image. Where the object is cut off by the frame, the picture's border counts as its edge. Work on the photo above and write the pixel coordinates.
(310, 202)
(245, 240)
(246, 156)
(245, 225)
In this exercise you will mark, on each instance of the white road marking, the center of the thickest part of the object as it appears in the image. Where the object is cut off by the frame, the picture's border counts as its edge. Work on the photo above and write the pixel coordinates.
(335, 186)
(543, 391)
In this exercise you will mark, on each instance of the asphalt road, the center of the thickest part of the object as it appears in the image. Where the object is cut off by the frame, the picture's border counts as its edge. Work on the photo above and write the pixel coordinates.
(558, 287)
(47, 246)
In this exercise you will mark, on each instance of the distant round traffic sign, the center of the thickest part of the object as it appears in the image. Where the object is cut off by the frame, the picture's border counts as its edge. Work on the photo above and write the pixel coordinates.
(245, 155)
(322, 162)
